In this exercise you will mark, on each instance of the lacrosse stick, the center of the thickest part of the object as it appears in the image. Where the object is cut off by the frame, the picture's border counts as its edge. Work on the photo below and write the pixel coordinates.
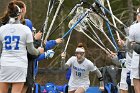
(92, 7)
(70, 13)
(97, 22)
(110, 30)
(63, 55)
(44, 27)
(79, 12)
(58, 8)
(118, 36)
(76, 23)
(100, 5)
(103, 17)
(81, 27)
(96, 36)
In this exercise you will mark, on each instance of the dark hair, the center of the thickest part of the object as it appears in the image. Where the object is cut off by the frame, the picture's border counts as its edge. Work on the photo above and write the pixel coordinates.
(80, 45)
(21, 5)
(13, 10)
(12, 5)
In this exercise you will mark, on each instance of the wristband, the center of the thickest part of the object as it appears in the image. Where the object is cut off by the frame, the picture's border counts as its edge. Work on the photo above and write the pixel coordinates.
(100, 78)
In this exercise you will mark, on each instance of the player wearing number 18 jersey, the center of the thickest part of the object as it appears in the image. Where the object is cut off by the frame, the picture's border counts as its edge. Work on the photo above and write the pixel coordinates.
(80, 68)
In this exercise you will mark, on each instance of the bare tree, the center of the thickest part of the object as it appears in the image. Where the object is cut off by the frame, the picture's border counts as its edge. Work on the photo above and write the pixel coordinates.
(131, 11)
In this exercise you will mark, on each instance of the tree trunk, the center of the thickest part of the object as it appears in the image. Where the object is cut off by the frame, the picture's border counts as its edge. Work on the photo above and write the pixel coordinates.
(62, 33)
(131, 11)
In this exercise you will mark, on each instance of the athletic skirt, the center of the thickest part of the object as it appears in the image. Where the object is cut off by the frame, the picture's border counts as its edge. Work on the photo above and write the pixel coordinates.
(123, 83)
(135, 73)
(12, 74)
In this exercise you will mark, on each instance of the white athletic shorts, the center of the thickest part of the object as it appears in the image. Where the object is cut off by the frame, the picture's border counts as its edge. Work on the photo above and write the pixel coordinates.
(135, 73)
(11, 74)
(70, 88)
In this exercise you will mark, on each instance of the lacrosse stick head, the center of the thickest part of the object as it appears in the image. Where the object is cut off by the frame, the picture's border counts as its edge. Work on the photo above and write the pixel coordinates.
(96, 19)
(82, 25)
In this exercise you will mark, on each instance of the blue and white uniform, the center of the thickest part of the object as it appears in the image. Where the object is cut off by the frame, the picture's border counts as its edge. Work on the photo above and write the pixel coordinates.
(14, 39)
(134, 36)
(79, 73)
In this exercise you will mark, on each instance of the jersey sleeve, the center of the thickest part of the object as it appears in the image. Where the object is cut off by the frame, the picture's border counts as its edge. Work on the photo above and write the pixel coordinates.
(1, 30)
(92, 67)
(29, 36)
(131, 36)
(50, 44)
(70, 61)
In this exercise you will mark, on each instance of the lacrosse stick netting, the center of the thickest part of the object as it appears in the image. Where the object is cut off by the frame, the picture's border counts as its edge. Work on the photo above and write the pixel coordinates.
(82, 26)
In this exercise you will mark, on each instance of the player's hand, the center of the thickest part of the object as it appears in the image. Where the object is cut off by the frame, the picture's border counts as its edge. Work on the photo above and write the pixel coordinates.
(112, 55)
(59, 40)
(41, 50)
(121, 42)
(49, 54)
(38, 35)
(63, 55)
(101, 88)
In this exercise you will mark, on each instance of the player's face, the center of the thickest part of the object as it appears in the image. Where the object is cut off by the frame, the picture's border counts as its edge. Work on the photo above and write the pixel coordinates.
(24, 11)
(138, 17)
(80, 55)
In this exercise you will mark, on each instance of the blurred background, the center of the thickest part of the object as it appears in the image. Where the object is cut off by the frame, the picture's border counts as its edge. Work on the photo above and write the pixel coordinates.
(50, 69)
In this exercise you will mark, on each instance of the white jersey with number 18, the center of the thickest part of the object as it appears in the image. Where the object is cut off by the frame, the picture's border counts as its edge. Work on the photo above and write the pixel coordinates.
(80, 72)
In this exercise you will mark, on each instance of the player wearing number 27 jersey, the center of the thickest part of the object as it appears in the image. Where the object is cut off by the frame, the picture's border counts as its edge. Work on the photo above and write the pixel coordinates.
(14, 39)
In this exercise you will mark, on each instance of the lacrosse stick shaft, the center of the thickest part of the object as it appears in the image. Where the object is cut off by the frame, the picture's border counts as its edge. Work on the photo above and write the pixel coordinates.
(58, 8)
(74, 25)
(63, 57)
(52, 6)
(118, 36)
(70, 13)
(95, 42)
(110, 30)
(46, 23)
(110, 23)
(97, 37)
(112, 37)
(97, 2)
(67, 42)
(103, 33)
(103, 17)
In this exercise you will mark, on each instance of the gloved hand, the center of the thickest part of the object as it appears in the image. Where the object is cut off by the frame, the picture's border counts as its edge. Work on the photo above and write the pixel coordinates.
(123, 61)
(121, 54)
(49, 54)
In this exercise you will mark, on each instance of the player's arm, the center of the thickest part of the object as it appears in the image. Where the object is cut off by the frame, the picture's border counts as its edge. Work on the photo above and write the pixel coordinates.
(100, 77)
(69, 63)
(67, 66)
(32, 50)
(95, 70)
